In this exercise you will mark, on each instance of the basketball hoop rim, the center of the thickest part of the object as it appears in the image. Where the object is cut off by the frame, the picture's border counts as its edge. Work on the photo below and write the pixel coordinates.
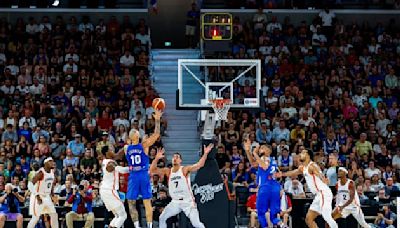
(220, 102)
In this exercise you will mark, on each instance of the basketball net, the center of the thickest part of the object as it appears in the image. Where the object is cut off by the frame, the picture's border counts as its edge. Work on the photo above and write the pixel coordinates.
(221, 107)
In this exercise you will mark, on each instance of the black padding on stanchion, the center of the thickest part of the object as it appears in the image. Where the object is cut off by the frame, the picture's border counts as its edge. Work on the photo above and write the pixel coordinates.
(211, 195)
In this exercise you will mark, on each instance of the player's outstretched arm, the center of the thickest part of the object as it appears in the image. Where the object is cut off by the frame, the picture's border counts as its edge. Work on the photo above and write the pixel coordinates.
(201, 162)
(122, 169)
(292, 173)
(159, 155)
(153, 138)
(247, 149)
(120, 154)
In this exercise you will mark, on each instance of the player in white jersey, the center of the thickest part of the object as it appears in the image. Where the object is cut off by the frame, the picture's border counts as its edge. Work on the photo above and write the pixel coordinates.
(180, 189)
(109, 187)
(316, 181)
(347, 200)
(43, 189)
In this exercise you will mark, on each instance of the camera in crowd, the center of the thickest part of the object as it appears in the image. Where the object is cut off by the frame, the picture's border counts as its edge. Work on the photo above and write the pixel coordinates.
(81, 187)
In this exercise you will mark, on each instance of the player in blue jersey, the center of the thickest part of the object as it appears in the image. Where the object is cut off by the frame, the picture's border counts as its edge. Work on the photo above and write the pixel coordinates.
(136, 154)
(268, 197)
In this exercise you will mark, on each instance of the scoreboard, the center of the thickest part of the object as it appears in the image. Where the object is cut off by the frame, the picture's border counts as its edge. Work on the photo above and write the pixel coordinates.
(216, 26)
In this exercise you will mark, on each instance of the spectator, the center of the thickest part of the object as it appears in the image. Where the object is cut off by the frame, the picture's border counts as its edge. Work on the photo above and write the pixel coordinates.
(76, 146)
(376, 183)
(371, 170)
(105, 123)
(273, 24)
(251, 209)
(192, 20)
(396, 159)
(391, 80)
(389, 187)
(285, 160)
(328, 19)
(286, 208)
(97, 201)
(70, 160)
(88, 161)
(259, 20)
(127, 60)
(331, 145)
(363, 198)
(295, 188)
(263, 134)
(236, 158)
(386, 218)
(364, 147)
(104, 143)
(121, 120)
(66, 190)
(144, 38)
(221, 157)
(81, 200)
(281, 132)
(9, 134)
(10, 209)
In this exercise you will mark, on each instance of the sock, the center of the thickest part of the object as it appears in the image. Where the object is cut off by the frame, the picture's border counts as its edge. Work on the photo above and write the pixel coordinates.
(149, 225)
(136, 224)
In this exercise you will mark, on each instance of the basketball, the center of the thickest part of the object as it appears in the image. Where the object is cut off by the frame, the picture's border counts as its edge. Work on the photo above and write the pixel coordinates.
(159, 104)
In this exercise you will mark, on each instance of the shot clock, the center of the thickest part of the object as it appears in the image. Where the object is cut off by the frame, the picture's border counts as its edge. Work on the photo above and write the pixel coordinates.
(216, 26)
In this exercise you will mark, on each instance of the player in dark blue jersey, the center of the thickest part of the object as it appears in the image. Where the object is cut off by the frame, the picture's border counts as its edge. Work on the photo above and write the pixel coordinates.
(136, 154)
(268, 197)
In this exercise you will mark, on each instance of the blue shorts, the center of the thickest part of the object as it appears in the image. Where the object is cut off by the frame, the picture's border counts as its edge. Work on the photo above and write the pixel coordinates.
(139, 185)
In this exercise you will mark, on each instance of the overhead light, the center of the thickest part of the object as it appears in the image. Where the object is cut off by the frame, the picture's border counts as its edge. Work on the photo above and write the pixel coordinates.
(56, 2)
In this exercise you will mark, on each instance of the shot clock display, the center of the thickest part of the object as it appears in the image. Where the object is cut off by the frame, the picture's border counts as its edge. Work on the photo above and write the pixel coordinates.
(216, 26)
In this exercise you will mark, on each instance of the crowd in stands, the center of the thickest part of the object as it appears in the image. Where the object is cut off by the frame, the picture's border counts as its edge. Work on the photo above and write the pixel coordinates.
(329, 87)
(289, 4)
(71, 88)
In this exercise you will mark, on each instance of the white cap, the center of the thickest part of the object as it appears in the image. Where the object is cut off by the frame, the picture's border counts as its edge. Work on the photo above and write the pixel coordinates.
(48, 159)
(343, 169)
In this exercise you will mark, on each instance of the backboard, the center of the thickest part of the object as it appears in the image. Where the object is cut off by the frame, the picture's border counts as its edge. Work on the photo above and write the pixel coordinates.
(200, 80)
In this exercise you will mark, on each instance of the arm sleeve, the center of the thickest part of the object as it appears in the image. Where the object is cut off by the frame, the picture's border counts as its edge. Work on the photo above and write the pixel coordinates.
(121, 169)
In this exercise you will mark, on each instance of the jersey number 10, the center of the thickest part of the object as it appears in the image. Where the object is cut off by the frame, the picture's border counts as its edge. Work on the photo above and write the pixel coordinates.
(136, 159)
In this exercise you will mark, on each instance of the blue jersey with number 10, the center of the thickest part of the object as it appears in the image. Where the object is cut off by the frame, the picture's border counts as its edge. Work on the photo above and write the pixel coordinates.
(266, 177)
(137, 158)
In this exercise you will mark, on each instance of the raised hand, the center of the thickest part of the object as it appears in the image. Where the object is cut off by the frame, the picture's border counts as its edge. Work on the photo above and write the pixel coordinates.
(255, 151)
(160, 153)
(157, 114)
(247, 145)
(207, 149)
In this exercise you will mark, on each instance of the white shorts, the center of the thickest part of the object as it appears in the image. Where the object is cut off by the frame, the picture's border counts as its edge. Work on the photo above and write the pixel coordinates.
(46, 207)
(322, 202)
(351, 210)
(190, 30)
(111, 199)
(186, 207)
